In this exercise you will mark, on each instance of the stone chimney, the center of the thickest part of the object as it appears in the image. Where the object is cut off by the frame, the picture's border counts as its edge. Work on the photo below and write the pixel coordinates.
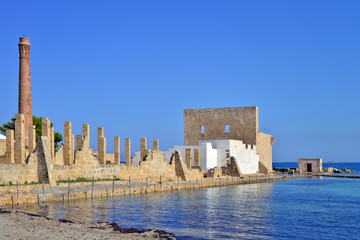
(25, 99)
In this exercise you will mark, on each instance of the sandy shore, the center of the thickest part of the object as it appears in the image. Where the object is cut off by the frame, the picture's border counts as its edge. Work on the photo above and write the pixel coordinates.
(18, 225)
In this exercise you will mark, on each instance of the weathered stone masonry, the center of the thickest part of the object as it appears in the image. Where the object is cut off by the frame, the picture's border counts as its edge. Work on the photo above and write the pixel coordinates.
(43, 165)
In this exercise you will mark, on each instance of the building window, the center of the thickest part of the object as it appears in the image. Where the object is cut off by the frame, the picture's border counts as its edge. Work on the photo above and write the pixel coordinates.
(202, 129)
(246, 146)
(252, 147)
(227, 128)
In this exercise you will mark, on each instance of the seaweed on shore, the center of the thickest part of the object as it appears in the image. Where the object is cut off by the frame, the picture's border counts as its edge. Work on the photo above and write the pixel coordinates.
(160, 234)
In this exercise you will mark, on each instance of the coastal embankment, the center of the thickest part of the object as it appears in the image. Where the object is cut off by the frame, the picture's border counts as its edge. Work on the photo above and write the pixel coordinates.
(16, 195)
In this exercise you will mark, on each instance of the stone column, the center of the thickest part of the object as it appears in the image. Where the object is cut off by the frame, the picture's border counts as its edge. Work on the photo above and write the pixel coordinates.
(20, 138)
(86, 133)
(48, 132)
(116, 150)
(52, 144)
(79, 142)
(9, 153)
(102, 150)
(101, 146)
(72, 161)
(127, 152)
(67, 143)
(188, 157)
(156, 145)
(32, 138)
(25, 99)
(45, 128)
(143, 147)
(196, 157)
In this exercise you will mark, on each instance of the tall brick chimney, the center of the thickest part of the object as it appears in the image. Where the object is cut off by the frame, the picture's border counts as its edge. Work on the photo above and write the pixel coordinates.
(25, 100)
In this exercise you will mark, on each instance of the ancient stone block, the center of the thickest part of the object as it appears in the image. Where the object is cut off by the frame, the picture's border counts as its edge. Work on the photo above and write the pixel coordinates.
(20, 138)
(196, 157)
(9, 153)
(32, 138)
(188, 157)
(116, 150)
(156, 145)
(67, 143)
(127, 152)
(143, 147)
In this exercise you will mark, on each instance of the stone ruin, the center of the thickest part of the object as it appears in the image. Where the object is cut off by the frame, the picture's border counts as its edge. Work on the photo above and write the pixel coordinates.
(40, 163)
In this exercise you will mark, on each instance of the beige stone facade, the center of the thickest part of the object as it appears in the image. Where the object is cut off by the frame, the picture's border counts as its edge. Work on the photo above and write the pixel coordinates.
(310, 165)
(236, 123)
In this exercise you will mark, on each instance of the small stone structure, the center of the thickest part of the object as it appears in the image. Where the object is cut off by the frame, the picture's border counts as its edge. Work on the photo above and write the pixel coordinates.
(310, 165)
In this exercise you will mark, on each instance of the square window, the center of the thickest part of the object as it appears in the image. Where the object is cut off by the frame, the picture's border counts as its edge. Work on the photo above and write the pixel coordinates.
(202, 129)
(227, 128)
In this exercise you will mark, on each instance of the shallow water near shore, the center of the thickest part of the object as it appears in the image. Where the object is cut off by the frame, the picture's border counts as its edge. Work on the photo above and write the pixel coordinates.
(303, 208)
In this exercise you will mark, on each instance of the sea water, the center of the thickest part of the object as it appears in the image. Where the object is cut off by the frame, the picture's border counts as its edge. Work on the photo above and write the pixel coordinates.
(303, 208)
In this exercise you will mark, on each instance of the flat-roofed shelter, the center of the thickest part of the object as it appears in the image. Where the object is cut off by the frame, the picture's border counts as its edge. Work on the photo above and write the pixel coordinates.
(310, 165)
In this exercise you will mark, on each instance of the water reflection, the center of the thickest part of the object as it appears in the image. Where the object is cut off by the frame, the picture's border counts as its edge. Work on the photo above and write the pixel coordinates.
(230, 212)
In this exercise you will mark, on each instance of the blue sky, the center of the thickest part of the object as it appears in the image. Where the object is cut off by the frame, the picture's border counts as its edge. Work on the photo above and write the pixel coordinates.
(133, 66)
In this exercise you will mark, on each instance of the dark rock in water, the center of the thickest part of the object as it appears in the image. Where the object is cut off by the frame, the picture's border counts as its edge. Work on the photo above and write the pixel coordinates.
(346, 170)
(285, 170)
(337, 170)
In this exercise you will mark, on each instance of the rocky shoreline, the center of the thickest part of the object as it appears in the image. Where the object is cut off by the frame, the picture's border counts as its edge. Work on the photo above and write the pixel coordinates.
(20, 225)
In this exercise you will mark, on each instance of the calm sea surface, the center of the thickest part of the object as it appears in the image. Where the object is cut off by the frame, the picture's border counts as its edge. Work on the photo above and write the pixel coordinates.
(305, 208)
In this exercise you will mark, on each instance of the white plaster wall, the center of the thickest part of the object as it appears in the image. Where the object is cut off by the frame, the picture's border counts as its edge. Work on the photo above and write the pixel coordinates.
(247, 158)
(213, 154)
(182, 151)
(210, 157)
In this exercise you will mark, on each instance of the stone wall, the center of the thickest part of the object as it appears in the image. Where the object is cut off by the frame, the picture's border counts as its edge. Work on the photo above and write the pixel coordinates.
(264, 149)
(316, 164)
(238, 123)
(232, 168)
(242, 123)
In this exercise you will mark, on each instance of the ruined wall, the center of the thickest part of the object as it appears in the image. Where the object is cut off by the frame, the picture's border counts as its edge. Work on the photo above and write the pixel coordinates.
(242, 124)
(264, 149)
(232, 168)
